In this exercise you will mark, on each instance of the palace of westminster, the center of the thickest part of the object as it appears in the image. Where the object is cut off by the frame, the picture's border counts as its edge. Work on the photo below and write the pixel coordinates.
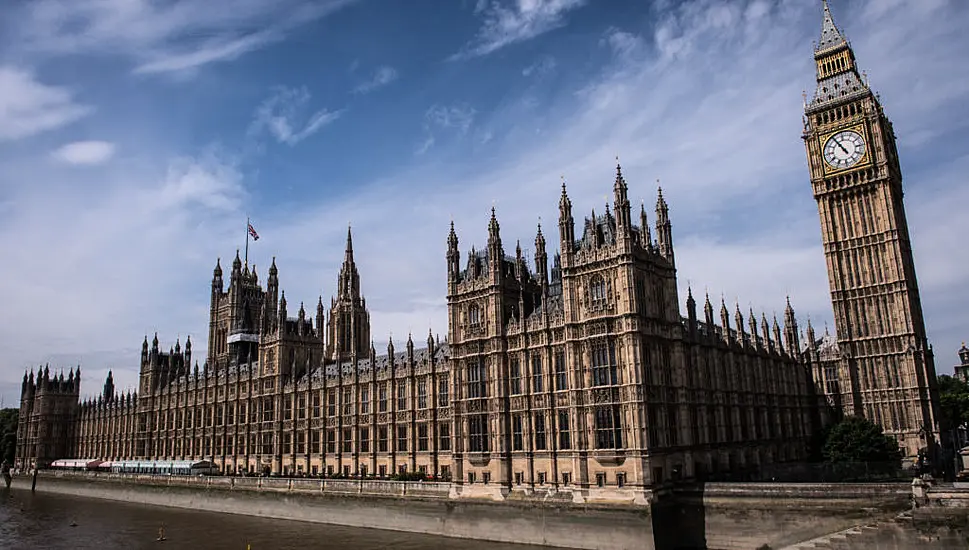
(576, 372)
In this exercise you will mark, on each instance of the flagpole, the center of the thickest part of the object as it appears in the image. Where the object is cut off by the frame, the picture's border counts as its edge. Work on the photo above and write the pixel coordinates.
(247, 240)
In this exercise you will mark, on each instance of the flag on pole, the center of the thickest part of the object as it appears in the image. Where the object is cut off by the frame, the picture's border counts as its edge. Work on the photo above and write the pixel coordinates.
(252, 231)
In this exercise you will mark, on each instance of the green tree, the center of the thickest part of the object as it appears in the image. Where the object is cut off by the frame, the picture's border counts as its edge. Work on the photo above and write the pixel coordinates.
(953, 402)
(857, 439)
(8, 434)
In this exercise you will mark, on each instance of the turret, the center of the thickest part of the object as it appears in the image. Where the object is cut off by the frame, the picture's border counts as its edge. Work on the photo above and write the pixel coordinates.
(708, 313)
(752, 320)
(281, 323)
(320, 319)
(541, 260)
(664, 230)
(430, 342)
(765, 331)
(691, 313)
(390, 348)
(622, 206)
(646, 236)
(144, 351)
(566, 228)
(496, 253)
(725, 320)
(410, 348)
(453, 256)
(790, 330)
(812, 340)
(108, 391)
(217, 284)
(738, 319)
(188, 350)
(778, 342)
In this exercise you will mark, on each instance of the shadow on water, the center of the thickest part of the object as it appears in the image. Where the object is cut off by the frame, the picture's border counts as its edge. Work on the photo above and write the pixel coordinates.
(44, 520)
(679, 522)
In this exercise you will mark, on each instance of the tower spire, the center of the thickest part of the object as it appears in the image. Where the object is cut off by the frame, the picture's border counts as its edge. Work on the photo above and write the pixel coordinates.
(831, 37)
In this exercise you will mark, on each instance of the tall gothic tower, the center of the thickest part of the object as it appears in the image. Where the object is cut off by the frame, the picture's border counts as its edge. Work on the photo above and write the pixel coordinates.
(349, 323)
(886, 371)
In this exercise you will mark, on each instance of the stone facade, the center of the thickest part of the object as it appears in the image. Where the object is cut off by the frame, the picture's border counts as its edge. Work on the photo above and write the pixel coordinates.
(581, 375)
(881, 365)
(575, 372)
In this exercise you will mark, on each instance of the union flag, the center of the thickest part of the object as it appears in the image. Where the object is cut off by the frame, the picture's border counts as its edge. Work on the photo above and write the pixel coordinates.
(252, 231)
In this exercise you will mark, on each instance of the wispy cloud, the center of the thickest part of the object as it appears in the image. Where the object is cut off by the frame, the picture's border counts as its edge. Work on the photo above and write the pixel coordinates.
(451, 118)
(284, 116)
(543, 66)
(162, 36)
(381, 77)
(29, 107)
(519, 20)
(85, 152)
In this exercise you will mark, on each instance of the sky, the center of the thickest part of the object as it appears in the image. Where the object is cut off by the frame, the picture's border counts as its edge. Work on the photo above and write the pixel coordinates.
(136, 136)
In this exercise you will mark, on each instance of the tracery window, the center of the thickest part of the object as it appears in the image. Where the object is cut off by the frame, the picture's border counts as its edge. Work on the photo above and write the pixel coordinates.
(597, 291)
(516, 376)
(474, 316)
(608, 428)
(604, 369)
(477, 378)
(478, 433)
(561, 381)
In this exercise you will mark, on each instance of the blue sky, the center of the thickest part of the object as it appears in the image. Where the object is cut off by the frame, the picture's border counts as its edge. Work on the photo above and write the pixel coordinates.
(136, 136)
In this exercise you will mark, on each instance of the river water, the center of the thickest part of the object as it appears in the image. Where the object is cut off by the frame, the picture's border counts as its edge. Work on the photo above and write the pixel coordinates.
(43, 520)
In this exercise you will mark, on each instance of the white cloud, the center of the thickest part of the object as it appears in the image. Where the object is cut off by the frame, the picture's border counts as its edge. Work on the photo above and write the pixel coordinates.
(520, 20)
(454, 119)
(283, 114)
(85, 152)
(161, 37)
(29, 107)
(381, 77)
(541, 67)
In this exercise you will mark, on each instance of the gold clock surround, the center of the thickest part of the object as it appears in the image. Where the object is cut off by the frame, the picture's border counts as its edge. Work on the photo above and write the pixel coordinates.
(865, 159)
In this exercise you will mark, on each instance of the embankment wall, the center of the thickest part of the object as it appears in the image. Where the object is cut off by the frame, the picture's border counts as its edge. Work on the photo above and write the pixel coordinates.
(724, 516)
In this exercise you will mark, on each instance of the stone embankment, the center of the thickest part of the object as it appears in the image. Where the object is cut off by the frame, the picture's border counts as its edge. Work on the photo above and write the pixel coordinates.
(723, 516)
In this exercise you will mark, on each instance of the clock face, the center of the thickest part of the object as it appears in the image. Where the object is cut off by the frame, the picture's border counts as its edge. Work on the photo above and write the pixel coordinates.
(844, 149)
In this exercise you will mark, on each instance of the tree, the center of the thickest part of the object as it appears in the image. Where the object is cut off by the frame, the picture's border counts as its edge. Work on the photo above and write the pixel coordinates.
(953, 402)
(8, 434)
(857, 439)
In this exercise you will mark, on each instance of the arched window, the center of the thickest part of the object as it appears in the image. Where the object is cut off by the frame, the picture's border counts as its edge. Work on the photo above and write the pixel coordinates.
(474, 315)
(597, 291)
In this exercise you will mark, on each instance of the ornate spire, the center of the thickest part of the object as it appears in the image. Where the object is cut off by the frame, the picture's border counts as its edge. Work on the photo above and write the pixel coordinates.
(831, 37)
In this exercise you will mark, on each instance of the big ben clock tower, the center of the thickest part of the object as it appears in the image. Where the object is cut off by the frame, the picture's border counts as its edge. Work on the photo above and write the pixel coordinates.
(886, 371)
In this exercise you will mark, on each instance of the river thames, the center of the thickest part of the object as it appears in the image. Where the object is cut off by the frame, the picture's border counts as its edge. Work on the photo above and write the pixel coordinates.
(44, 520)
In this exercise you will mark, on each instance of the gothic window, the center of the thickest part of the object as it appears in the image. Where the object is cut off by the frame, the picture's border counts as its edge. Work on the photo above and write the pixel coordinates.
(537, 385)
(331, 403)
(444, 436)
(347, 401)
(516, 376)
(382, 439)
(474, 316)
(364, 440)
(540, 432)
(364, 400)
(604, 370)
(422, 437)
(401, 438)
(347, 440)
(516, 433)
(443, 398)
(382, 397)
(565, 441)
(597, 292)
(477, 378)
(330, 441)
(478, 433)
(401, 395)
(561, 380)
(608, 428)
(422, 394)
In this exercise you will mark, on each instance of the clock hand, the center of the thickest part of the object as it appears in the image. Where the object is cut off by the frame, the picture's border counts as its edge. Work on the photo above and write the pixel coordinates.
(838, 143)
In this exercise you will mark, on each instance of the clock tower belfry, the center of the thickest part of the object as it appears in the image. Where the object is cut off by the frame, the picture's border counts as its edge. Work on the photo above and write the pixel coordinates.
(886, 370)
